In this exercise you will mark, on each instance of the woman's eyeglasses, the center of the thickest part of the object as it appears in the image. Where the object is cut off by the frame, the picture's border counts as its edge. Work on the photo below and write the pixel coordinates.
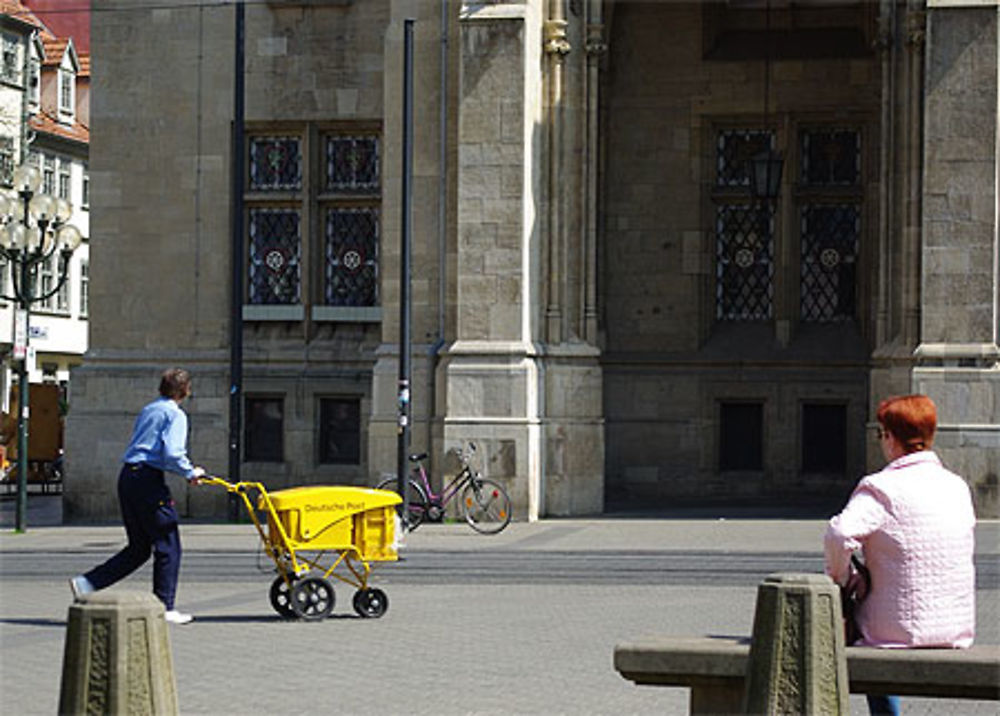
(880, 432)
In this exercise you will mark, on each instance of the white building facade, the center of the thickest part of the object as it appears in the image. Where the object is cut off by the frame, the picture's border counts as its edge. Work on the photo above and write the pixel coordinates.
(44, 121)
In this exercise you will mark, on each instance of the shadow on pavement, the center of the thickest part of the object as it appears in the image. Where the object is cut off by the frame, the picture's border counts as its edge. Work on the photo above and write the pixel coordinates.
(35, 621)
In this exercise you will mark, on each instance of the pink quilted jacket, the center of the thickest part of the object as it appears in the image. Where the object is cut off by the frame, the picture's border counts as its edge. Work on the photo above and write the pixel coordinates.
(914, 521)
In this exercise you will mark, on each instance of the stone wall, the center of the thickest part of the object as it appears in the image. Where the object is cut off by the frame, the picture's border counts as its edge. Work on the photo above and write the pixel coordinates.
(958, 356)
(668, 362)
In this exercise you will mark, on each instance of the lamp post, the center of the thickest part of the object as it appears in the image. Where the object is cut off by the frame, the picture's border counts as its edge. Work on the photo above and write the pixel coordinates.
(25, 247)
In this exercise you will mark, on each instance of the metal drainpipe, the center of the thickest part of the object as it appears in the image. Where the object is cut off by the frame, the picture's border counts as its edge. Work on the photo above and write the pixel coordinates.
(432, 352)
(886, 44)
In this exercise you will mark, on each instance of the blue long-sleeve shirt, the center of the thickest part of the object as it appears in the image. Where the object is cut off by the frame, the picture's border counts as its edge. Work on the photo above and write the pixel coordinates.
(159, 438)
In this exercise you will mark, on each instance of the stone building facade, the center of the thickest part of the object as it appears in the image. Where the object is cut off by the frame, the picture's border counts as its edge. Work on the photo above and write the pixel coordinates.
(599, 301)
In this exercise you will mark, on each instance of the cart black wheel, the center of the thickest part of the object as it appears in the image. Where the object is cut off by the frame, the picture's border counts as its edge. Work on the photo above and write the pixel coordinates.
(281, 596)
(371, 603)
(312, 598)
(418, 501)
(486, 506)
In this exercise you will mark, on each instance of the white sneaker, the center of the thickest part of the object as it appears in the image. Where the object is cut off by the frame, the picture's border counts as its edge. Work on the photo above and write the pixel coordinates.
(80, 586)
(175, 617)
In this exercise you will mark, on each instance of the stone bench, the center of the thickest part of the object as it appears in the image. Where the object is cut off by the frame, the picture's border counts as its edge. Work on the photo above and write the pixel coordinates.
(714, 669)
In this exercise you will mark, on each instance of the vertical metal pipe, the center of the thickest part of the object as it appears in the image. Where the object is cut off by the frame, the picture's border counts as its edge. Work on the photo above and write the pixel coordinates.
(595, 48)
(886, 45)
(403, 439)
(236, 318)
(23, 396)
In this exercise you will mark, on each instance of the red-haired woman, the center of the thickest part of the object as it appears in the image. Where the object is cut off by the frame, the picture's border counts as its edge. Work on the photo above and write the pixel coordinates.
(914, 522)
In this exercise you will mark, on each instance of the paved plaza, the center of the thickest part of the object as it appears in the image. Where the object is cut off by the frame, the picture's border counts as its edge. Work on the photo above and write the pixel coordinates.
(521, 623)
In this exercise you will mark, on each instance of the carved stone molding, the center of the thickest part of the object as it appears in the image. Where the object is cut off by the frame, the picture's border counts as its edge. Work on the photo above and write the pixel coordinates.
(596, 44)
(916, 28)
(883, 37)
(555, 38)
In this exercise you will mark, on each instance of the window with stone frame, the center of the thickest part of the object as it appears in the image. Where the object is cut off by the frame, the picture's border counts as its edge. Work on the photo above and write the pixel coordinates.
(264, 427)
(34, 80)
(11, 69)
(327, 177)
(47, 277)
(828, 209)
(829, 196)
(49, 174)
(744, 230)
(340, 431)
(741, 436)
(7, 161)
(64, 180)
(67, 87)
(84, 288)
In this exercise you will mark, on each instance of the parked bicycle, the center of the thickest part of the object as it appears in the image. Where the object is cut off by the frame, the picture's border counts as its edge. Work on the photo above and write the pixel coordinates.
(485, 504)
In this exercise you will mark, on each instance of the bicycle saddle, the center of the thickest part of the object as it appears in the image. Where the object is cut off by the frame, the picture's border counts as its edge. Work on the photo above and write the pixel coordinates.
(415, 457)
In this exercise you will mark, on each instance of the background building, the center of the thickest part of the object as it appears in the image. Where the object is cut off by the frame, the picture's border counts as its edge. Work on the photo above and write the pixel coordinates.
(599, 299)
(45, 106)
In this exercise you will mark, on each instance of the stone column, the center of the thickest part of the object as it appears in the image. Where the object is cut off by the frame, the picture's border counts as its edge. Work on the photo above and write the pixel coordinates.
(490, 374)
(958, 360)
(117, 658)
(797, 660)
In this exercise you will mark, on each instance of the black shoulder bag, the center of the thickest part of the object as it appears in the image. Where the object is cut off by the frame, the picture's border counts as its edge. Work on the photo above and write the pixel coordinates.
(850, 600)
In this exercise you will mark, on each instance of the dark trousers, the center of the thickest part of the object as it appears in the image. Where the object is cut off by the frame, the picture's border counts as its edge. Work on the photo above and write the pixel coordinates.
(883, 705)
(151, 525)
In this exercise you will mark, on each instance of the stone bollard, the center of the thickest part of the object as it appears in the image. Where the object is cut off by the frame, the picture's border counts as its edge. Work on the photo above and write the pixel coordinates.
(117, 658)
(797, 660)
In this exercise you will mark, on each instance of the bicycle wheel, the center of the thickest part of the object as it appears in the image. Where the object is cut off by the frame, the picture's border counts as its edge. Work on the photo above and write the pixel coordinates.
(418, 502)
(486, 506)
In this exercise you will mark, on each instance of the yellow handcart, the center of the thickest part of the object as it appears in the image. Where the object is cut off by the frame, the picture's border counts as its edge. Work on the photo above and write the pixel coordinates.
(317, 529)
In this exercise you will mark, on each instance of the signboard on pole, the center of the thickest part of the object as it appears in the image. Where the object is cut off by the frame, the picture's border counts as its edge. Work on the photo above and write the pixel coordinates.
(20, 334)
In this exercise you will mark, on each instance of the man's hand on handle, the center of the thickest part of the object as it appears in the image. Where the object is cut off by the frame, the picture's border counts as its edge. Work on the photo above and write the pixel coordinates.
(196, 475)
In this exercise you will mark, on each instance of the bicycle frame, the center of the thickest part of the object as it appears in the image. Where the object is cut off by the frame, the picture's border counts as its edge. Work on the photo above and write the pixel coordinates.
(449, 491)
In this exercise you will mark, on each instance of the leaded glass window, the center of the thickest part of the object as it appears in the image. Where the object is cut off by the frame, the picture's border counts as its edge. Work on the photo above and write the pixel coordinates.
(275, 256)
(275, 163)
(831, 157)
(352, 163)
(830, 237)
(352, 239)
(744, 261)
(734, 149)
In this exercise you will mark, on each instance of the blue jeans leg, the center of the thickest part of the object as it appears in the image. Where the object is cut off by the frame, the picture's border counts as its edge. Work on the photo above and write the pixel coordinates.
(883, 705)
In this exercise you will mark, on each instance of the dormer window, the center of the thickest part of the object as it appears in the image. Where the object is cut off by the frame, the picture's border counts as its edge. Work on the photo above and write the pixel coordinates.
(67, 82)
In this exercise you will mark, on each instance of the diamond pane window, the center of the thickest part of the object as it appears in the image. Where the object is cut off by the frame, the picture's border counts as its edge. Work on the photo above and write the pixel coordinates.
(275, 256)
(733, 151)
(830, 237)
(351, 277)
(744, 260)
(275, 163)
(831, 157)
(352, 163)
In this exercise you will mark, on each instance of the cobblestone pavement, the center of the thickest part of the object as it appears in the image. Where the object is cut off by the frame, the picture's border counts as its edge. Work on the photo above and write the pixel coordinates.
(521, 623)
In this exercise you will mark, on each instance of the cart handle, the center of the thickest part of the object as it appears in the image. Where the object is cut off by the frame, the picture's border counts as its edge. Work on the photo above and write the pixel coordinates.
(241, 489)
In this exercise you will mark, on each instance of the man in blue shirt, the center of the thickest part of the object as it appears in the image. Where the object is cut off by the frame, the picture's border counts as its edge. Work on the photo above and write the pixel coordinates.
(158, 445)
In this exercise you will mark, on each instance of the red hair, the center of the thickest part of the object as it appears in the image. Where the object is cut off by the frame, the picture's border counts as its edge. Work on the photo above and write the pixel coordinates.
(911, 419)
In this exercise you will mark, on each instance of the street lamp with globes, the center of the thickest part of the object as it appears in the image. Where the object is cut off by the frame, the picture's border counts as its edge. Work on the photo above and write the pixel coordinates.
(25, 247)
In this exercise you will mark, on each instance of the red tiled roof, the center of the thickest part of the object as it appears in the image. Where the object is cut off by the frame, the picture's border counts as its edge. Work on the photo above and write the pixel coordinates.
(55, 48)
(16, 9)
(43, 122)
(84, 65)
